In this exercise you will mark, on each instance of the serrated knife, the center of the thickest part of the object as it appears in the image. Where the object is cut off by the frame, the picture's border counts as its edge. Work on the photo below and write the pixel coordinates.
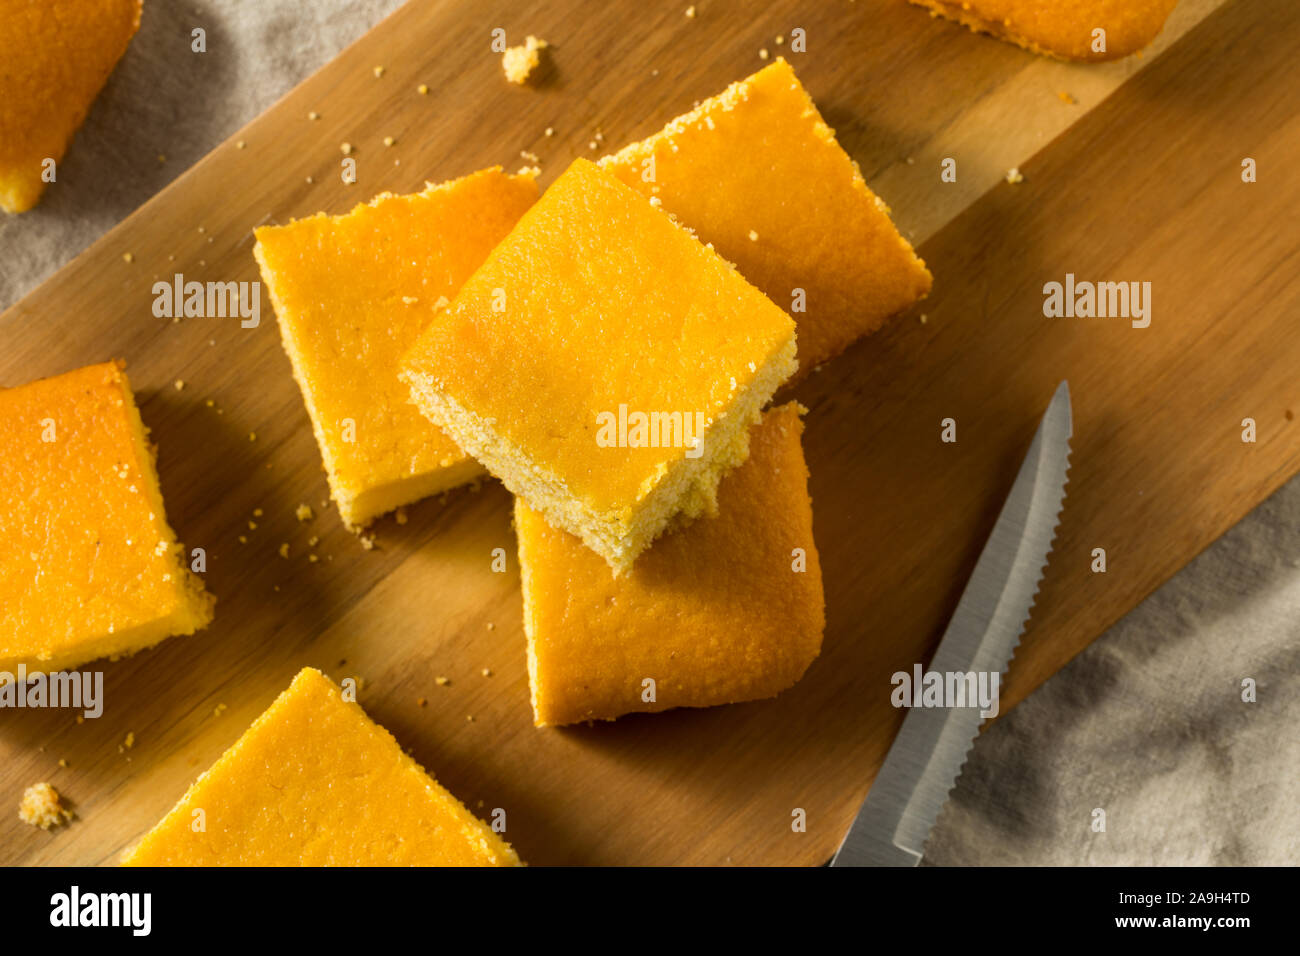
(927, 755)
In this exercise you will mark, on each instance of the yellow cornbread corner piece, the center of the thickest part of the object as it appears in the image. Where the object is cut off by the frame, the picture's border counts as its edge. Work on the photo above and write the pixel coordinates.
(1059, 29)
(352, 293)
(597, 317)
(40, 807)
(520, 61)
(756, 172)
(714, 613)
(89, 567)
(55, 56)
(315, 782)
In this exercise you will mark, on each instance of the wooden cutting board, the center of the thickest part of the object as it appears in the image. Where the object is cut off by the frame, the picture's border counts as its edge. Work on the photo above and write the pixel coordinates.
(1137, 180)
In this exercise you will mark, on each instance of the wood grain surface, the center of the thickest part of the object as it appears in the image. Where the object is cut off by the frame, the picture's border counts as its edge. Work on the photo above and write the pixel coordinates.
(1142, 183)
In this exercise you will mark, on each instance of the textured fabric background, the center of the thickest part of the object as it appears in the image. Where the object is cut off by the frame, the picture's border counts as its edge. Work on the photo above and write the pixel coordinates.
(1147, 724)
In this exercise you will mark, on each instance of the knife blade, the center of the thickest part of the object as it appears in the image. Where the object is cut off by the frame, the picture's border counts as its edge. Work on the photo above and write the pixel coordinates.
(926, 757)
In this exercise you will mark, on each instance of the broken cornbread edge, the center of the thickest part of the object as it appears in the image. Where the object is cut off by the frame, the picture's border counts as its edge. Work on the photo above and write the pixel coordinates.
(1119, 44)
(192, 614)
(357, 511)
(683, 490)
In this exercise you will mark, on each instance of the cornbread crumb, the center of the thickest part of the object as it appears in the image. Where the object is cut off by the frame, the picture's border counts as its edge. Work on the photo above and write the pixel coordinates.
(487, 672)
(690, 13)
(779, 40)
(218, 710)
(469, 718)
(40, 807)
(368, 542)
(549, 131)
(1066, 98)
(257, 512)
(422, 89)
(284, 549)
(491, 626)
(421, 702)
(753, 236)
(345, 149)
(313, 558)
(252, 436)
(178, 384)
(313, 541)
(127, 742)
(763, 54)
(63, 763)
(379, 71)
(520, 61)
(400, 517)
(442, 681)
(313, 115)
(389, 141)
(243, 539)
(1014, 176)
(304, 513)
(128, 257)
(240, 145)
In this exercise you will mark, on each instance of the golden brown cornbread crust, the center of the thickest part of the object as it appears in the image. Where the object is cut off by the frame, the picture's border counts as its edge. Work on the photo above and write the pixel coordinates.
(714, 613)
(316, 782)
(89, 568)
(1061, 29)
(597, 302)
(757, 172)
(351, 293)
(55, 56)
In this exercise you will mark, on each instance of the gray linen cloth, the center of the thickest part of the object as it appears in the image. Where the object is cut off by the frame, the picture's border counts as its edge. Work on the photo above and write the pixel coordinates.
(1147, 724)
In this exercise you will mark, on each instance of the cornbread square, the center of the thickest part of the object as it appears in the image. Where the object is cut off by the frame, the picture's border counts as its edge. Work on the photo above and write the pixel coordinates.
(55, 56)
(90, 567)
(1061, 30)
(315, 782)
(714, 613)
(756, 172)
(603, 364)
(351, 294)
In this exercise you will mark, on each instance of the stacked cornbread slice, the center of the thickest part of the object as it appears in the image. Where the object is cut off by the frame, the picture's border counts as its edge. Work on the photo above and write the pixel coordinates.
(724, 610)
(756, 172)
(596, 306)
(352, 293)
